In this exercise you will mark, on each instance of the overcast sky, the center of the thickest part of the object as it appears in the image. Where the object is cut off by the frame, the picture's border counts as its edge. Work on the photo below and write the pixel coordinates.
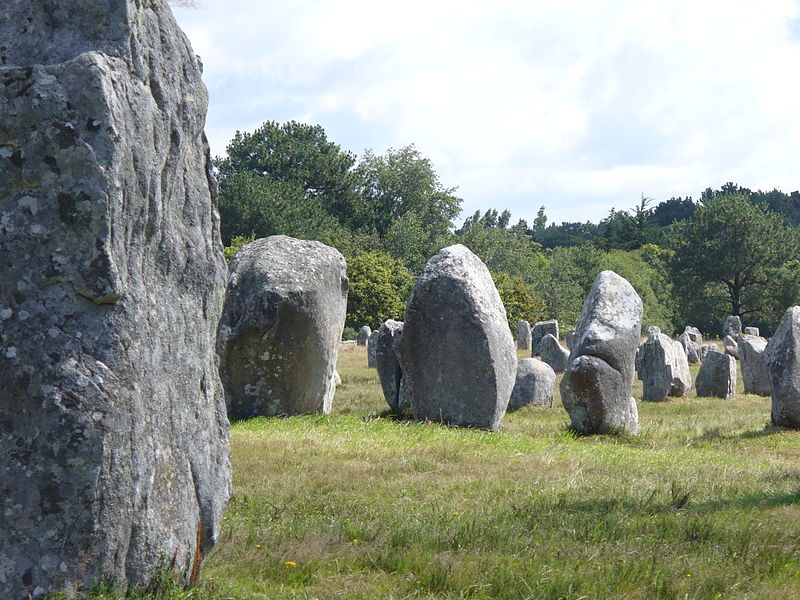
(579, 106)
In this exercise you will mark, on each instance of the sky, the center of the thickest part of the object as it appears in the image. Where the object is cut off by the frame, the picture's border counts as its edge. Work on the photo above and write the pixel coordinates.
(577, 106)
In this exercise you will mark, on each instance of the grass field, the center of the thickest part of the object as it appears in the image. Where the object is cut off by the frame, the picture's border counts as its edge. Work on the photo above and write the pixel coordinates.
(704, 503)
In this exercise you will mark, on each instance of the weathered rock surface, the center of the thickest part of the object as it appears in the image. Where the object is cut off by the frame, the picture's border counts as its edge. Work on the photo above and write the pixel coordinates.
(752, 331)
(755, 372)
(457, 352)
(570, 338)
(113, 434)
(541, 329)
(690, 347)
(662, 367)
(732, 327)
(281, 327)
(783, 359)
(717, 376)
(534, 384)
(523, 335)
(363, 335)
(553, 353)
(731, 345)
(694, 334)
(371, 348)
(390, 373)
(704, 349)
(596, 388)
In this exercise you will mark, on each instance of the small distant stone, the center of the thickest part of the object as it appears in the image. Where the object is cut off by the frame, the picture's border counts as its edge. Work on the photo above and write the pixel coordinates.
(523, 335)
(752, 331)
(717, 376)
(553, 353)
(534, 384)
(363, 335)
(541, 329)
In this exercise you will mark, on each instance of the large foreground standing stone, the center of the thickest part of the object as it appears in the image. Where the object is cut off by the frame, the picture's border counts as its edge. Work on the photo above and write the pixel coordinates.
(553, 353)
(783, 357)
(596, 388)
(113, 436)
(717, 376)
(523, 335)
(534, 384)
(662, 366)
(281, 327)
(755, 372)
(457, 352)
(541, 329)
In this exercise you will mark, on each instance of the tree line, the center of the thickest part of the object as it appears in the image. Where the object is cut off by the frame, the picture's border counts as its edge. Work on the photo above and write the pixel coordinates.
(733, 251)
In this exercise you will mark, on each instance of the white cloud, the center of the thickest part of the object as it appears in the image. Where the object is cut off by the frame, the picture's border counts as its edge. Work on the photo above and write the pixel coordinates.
(575, 105)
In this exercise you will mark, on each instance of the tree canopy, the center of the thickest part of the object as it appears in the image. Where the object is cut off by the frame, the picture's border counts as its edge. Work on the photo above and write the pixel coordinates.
(730, 256)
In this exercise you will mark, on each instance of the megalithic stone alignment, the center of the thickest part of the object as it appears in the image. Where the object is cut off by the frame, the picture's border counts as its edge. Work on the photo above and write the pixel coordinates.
(113, 434)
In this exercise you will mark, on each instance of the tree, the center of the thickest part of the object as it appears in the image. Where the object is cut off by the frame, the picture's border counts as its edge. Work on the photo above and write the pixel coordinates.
(403, 182)
(379, 287)
(729, 257)
(520, 303)
(301, 155)
(503, 249)
(257, 206)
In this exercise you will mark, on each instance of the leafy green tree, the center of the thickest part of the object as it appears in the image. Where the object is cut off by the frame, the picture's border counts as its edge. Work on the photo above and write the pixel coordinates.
(729, 259)
(257, 206)
(379, 287)
(503, 249)
(569, 273)
(404, 182)
(300, 155)
(519, 301)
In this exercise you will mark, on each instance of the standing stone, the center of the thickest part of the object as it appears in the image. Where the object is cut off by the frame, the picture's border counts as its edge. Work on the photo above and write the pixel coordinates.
(783, 357)
(752, 331)
(694, 334)
(281, 327)
(690, 347)
(596, 388)
(570, 339)
(662, 366)
(363, 335)
(534, 384)
(755, 372)
(732, 327)
(371, 347)
(390, 373)
(717, 376)
(704, 349)
(554, 354)
(523, 335)
(541, 329)
(457, 352)
(731, 346)
(113, 435)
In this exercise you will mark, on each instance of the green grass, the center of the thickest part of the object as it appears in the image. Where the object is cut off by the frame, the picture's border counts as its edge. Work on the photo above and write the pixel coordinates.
(704, 503)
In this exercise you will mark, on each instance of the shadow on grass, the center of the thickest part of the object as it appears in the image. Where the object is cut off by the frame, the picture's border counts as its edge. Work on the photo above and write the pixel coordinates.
(716, 433)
